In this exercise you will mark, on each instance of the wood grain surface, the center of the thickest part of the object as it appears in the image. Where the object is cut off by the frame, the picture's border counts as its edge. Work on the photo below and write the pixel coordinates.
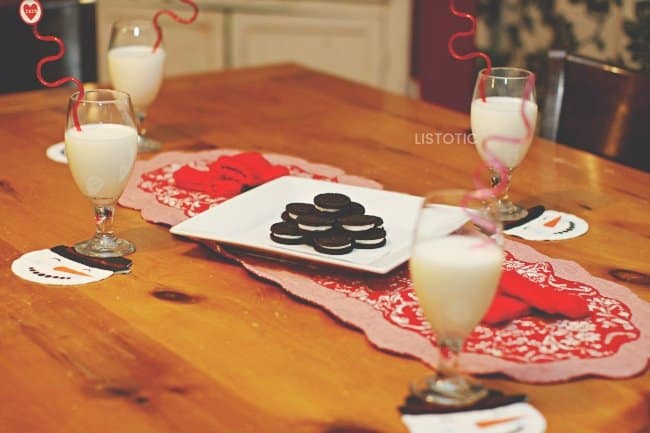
(192, 343)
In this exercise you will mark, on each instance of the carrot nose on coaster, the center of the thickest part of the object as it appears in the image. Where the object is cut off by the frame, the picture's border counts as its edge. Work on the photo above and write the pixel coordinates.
(56, 153)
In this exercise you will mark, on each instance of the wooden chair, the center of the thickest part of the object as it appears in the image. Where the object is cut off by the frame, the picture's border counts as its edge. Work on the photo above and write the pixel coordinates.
(599, 108)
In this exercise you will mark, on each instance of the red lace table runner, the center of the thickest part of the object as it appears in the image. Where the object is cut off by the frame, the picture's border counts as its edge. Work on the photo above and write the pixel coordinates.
(614, 341)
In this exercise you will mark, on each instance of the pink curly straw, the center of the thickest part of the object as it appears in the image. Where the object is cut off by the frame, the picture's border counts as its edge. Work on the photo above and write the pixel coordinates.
(494, 162)
(175, 17)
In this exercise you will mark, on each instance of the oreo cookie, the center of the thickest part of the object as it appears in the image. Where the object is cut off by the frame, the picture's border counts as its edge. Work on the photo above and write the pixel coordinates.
(287, 233)
(373, 238)
(294, 210)
(353, 208)
(333, 224)
(360, 223)
(335, 243)
(331, 202)
(315, 223)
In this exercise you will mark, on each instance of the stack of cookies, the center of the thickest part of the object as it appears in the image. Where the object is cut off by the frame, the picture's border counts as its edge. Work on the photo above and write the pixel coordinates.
(332, 224)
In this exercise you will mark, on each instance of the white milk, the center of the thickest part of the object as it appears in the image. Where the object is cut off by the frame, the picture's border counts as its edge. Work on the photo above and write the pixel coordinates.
(501, 115)
(101, 157)
(455, 279)
(138, 71)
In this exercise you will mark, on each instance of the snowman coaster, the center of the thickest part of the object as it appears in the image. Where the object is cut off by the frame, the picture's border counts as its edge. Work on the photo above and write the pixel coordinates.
(551, 226)
(497, 412)
(63, 266)
(56, 153)
(517, 417)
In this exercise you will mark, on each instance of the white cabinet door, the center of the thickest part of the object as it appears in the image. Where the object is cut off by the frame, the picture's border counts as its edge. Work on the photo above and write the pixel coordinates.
(190, 48)
(347, 47)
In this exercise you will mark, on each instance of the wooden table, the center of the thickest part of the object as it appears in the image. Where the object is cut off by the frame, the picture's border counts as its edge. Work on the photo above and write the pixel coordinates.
(242, 355)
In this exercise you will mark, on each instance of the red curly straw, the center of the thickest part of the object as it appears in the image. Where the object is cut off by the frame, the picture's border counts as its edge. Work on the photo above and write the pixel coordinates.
(60, 81)
(175, 17)
(474, 54)
(483, 193)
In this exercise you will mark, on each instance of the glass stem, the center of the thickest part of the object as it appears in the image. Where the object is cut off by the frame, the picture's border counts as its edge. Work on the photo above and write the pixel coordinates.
(140, 115)
(449, 351)
(104, 221)
(495, 179)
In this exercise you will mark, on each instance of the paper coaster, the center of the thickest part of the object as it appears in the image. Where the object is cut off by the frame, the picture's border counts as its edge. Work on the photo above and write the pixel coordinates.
(56, 267)
(551, 226)
(517, 417)
(56, 152)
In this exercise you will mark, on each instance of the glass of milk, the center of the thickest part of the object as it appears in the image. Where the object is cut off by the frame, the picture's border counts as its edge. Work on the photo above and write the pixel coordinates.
(100, 156)
(455, 276)
(498, 125)
(135, 68)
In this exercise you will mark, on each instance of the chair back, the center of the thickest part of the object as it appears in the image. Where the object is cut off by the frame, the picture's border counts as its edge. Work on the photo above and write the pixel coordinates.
(599, 108)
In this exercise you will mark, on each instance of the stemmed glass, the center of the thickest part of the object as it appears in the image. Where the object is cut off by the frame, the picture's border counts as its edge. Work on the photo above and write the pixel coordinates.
(455, 277)
(498, 127)
(101, 156)
(135, 68)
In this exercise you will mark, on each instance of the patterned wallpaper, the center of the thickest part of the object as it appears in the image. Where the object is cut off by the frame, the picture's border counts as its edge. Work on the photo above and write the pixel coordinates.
(520, 32)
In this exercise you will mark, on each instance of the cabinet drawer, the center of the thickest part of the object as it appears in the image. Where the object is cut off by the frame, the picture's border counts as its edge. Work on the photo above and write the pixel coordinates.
(345, 47)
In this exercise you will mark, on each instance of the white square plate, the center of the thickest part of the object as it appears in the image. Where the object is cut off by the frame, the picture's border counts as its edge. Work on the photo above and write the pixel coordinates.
(245, 220)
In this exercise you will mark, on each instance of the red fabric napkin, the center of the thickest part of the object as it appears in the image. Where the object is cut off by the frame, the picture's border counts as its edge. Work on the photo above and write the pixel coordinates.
(229, 175)
(517, 293)
(505, 308)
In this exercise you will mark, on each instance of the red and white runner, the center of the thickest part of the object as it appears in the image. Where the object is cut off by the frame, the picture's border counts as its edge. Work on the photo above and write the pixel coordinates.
(614, 341)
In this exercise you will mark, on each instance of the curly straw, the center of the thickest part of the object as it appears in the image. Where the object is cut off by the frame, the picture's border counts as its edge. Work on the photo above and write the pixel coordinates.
(60, 81)
(175, 17)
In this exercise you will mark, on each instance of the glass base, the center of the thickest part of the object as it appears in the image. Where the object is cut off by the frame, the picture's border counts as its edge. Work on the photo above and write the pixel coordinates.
(146, 144)
(455, 391)
(105, 246)
(508, 211)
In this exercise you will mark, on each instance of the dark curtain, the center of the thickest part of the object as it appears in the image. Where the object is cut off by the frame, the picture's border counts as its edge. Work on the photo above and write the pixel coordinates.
(443, 80)
(71, 21)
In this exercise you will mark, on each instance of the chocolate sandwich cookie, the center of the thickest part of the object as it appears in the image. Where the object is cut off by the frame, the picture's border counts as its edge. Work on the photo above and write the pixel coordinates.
(331, 202)
(287, 233)
(353, 208)
(373, 238)
(335, 243)
(294, 210)
(316, 223)
(360, 223)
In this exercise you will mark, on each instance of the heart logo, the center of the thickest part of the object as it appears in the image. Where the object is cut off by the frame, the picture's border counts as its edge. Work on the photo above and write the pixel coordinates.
(30, 10)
